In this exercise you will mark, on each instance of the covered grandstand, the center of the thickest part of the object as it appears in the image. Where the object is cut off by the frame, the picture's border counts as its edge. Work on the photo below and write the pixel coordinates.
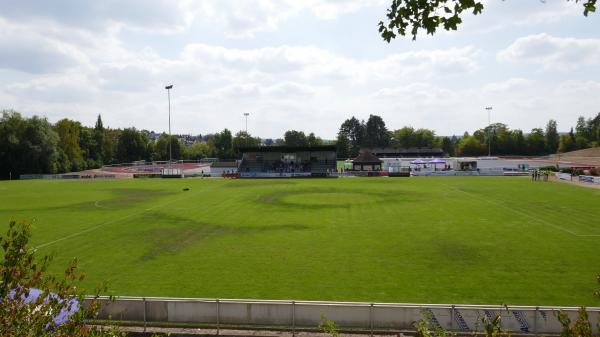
(288, 161)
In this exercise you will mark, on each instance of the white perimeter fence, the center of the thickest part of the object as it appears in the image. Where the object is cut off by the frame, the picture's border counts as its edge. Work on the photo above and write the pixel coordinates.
(590, 179)
(347, 315)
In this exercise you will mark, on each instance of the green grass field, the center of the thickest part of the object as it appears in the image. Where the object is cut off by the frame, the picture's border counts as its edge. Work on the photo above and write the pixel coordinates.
(472, 240)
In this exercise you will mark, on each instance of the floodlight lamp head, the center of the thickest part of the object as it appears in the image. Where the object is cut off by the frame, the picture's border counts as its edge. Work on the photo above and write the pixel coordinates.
(170, 86)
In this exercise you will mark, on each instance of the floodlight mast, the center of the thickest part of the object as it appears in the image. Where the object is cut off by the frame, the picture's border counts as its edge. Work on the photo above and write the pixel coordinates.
(489, 110)
(246, 114)
(169, 87)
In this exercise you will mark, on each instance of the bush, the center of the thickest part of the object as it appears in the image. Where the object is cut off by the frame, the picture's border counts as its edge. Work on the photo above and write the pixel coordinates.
(580, 328)
(57, 310)
(570, 170)
(567, 170)
(551, 168)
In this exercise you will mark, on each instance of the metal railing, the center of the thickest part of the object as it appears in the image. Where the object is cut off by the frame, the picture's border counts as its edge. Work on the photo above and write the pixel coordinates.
(363, 316)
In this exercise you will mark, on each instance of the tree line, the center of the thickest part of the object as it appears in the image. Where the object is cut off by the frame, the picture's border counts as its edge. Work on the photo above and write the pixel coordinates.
(34, 145)
(496, 138)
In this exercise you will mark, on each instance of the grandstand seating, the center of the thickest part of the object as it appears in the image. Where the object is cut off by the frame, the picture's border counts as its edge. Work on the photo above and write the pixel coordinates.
(278, 166)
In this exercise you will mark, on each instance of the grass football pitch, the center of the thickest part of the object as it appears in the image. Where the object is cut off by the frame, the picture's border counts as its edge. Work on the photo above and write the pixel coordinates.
(477, 240)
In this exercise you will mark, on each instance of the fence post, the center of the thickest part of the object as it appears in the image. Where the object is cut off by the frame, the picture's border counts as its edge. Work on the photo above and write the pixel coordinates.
(218, 317)
(535, 319)
(452, 317)
(145, 320)
(371, 318)
(293, 318)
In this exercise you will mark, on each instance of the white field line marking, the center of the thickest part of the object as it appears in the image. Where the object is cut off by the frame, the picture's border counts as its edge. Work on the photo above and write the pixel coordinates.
(524, 214)
(111, 222)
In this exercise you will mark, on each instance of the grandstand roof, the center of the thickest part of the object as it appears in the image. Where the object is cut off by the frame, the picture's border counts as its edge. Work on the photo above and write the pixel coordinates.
(224, 164)
(288, 148)
(366, 157)
(407, 152)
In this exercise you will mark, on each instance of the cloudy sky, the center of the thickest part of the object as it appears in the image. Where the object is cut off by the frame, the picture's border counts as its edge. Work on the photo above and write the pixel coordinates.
(304, 65)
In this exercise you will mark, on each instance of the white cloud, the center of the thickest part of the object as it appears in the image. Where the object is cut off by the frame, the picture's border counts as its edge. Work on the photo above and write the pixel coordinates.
(246, 18)
(150, 15)
(511, 85)
(584, 88)
(556, 53)
(32, 51)
(76, 59)
(310, 62)
(512, 15)
(70, 87)
(237, 18)
(277, 91)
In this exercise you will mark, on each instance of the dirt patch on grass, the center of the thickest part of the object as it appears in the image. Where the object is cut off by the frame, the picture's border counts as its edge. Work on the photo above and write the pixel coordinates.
(328, 198)
(458, 253)
(188, 232)
(124, 198)
(259, 182)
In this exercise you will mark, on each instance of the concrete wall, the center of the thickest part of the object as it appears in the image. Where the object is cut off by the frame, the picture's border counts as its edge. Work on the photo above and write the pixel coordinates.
(366, 316)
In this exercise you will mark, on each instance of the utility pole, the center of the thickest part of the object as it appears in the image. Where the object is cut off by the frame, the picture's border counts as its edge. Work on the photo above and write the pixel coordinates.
(489, 110)
(169, 87)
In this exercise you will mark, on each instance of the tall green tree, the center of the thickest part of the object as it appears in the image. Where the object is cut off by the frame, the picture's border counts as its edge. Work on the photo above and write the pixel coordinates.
(98, 134)
(496, 136)
(27, 145)
(567, 142)
(448, 145)
(424, 138)
(295, 138)
(594, 127)
(518, 142)
(162, 148)
(376, 134)
(109, 146)
(342, 145)
(198, 150)
(404, 137)
(87, 143)
(69, 138)
(222, 143)
(552, 138)
(243, 139)
(408, 137)
(471, 146)
(131, 146)
(355, 133)
(536, 142)
(313, 140)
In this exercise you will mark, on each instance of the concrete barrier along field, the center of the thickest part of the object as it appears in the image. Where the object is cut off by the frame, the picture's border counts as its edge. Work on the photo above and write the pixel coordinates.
(346, 315)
